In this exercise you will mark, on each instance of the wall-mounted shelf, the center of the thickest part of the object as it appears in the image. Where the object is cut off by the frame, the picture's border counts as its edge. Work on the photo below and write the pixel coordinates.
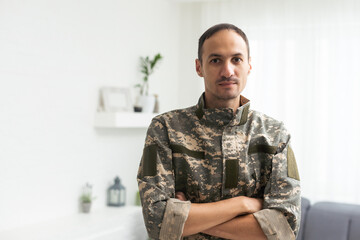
(122, 119)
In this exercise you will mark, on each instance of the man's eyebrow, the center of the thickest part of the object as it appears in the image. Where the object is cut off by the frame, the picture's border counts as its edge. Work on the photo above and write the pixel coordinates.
(214, 55)
(238, 54)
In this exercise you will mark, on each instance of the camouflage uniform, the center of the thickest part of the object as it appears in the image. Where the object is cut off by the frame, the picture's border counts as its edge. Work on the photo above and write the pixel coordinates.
(211, 155)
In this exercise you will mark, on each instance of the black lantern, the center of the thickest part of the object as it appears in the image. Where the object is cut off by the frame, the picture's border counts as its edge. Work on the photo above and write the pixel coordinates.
(116, 194)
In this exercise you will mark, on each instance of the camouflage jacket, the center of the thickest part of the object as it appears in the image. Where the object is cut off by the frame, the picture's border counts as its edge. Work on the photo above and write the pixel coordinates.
(211, 155)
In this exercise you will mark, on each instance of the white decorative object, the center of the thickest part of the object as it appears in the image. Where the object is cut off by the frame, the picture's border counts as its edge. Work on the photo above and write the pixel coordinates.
(86, 198)
(144, 102)
(115, 99)
(147, 102)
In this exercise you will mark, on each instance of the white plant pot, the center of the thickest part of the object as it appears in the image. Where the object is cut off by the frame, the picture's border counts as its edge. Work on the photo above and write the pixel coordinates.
(147, 103)
(86, 207)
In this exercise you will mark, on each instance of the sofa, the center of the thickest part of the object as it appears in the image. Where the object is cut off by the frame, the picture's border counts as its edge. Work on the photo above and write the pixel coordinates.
(329, 221)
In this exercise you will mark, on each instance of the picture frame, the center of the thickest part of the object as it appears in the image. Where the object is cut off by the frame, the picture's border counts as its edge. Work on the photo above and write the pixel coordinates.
(115, 99)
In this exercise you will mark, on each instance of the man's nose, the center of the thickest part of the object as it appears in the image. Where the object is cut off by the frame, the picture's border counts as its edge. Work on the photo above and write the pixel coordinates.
(227, 70)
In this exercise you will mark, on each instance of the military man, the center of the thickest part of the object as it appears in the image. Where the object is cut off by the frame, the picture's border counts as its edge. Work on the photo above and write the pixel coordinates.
(219, 170)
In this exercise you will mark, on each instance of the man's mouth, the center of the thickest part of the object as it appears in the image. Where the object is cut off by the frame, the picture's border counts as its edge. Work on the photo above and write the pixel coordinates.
(227, 81)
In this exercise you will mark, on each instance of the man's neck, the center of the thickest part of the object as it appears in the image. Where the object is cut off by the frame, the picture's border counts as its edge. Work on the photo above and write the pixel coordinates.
(222, 103)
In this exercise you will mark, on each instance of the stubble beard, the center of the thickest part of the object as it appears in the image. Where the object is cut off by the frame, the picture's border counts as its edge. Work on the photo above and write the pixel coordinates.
(226, 96)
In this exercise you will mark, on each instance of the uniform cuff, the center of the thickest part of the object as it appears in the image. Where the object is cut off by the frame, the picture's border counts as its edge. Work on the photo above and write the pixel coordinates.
(274, 225)
(176, 213)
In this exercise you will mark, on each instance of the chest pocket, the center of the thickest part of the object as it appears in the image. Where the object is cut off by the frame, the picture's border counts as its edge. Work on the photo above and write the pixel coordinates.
(249, 175)
(260, 158)
(186, 164)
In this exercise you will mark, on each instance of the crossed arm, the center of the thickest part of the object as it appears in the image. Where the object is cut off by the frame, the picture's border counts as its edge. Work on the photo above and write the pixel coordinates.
(231, 218)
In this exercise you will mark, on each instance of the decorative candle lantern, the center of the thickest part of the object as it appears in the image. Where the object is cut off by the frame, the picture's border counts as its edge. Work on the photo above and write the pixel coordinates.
(116, 194)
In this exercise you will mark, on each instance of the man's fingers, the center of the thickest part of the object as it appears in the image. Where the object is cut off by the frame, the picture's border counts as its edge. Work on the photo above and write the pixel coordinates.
(180, 196)
(251, 205)
(258, 204)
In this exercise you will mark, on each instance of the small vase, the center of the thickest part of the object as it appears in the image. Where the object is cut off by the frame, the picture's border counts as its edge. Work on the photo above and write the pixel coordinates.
(86, 207)
(147, 102)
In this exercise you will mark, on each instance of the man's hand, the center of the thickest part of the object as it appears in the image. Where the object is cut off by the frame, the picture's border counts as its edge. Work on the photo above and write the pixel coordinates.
(251, 204)
(180, 196)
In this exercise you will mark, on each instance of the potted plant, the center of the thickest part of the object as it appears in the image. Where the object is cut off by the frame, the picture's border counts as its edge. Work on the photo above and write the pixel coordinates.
(86, 198)
(145, 101)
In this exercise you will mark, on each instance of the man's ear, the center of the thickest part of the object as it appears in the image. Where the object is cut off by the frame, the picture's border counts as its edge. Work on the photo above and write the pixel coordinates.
(250, 67)
(198, 67)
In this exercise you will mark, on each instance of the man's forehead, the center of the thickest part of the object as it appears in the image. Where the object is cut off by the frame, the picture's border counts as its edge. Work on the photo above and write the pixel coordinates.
(225, 42)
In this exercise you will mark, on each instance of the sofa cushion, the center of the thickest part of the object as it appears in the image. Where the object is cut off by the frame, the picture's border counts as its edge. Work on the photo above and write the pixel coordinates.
(332, 221)
(354, 231)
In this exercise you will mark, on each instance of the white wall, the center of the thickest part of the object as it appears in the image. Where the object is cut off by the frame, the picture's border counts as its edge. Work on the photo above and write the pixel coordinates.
(54, 55)
(190, 84)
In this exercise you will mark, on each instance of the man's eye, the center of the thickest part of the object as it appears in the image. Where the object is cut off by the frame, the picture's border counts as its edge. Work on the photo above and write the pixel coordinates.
(215, 60)
(237, 60)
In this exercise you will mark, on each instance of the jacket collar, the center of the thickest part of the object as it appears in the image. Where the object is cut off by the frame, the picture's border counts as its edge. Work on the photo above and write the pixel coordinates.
(223, 116)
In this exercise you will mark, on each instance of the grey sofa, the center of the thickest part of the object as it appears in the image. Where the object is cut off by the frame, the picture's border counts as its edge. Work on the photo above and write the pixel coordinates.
(329, 221)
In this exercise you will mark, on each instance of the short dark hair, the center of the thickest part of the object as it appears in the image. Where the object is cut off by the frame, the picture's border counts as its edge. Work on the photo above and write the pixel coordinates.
(216, 28)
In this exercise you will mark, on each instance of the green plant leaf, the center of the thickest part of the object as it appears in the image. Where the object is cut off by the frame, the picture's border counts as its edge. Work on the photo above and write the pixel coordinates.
(156, 59)
(147, 66)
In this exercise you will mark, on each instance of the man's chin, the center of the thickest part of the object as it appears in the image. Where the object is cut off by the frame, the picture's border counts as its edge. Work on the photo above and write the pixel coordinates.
(227, 97)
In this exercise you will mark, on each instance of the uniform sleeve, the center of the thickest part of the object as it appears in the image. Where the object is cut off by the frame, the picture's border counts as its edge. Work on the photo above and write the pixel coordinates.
(164, 215)
(280, 217)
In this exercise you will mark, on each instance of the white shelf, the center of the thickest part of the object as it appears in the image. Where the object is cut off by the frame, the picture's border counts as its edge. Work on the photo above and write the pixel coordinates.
(109, 223)
(123, 119)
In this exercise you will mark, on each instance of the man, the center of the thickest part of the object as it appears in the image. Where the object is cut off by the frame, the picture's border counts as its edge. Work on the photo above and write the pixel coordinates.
(218, 169)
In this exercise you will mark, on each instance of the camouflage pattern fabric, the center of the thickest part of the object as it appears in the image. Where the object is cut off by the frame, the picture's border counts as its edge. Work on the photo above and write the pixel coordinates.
(211, 155)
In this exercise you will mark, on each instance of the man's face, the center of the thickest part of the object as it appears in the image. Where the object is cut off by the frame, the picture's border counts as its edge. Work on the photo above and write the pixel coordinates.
(224, 67)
